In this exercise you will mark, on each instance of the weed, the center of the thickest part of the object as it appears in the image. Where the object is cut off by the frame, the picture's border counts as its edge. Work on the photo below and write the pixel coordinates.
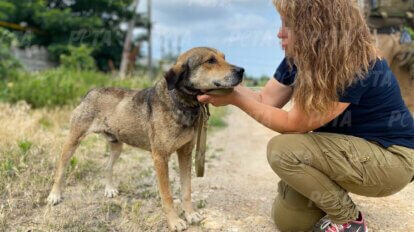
(201, 204)
(73, 163)
(45, 122)
(25, 146)
(217, 117)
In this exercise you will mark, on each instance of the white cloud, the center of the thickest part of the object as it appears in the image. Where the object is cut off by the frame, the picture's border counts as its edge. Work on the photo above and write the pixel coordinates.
(166, 33)
(240, 22)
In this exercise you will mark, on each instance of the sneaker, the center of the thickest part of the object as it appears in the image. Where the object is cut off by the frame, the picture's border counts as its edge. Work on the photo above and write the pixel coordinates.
(326, 225)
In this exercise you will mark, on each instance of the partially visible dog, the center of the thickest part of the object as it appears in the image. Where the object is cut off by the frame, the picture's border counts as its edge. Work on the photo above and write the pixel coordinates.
(161, 119)
(389, 46)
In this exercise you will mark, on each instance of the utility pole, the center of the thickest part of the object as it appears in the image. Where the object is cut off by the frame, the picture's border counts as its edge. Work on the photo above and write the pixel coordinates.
(150, 68)
(179, 40)
(162, 42)
(170, 48)
(127, 44)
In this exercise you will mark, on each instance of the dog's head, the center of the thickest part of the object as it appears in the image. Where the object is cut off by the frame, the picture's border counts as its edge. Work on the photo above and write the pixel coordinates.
(201, 69)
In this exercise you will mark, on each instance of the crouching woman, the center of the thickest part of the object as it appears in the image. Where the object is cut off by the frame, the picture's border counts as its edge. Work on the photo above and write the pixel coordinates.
(349, 129)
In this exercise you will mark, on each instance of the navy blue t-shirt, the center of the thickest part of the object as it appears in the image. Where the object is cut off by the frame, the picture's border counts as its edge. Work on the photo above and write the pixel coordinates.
(377, 111)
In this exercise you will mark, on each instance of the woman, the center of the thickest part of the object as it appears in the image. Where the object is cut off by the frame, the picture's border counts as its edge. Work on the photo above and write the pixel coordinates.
(363, 134)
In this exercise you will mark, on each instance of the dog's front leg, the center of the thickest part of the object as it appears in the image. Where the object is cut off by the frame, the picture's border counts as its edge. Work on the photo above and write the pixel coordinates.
(184, 160)
(116, 149)
(161, 167)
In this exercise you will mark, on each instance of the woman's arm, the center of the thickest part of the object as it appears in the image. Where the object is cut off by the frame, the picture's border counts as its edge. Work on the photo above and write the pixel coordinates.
(274, 93)
(294, 121)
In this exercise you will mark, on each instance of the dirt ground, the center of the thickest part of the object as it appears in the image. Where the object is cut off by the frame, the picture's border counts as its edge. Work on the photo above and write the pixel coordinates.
(235, 195)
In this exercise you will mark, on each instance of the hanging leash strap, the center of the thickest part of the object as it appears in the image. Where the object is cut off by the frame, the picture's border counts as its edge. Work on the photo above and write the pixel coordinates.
(202, 125)
(201, 146)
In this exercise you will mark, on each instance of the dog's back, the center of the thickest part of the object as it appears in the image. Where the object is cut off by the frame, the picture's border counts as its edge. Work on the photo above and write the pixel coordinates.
(116, 113)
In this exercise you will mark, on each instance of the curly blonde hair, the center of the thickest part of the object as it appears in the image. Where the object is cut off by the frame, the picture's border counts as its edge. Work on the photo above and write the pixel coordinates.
(332, 49)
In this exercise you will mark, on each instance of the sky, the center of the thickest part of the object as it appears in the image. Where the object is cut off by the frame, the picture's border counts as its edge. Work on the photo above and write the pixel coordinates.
(244, 30)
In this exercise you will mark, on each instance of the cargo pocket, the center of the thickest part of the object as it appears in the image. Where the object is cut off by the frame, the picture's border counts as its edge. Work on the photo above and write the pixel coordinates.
(359, 158)
(347, 164)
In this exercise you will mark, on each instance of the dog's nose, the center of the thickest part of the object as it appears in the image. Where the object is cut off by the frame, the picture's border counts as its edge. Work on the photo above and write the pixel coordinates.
(239, 71)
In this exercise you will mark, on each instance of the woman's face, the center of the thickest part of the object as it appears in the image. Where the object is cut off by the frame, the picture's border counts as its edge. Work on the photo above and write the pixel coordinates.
(286, 37)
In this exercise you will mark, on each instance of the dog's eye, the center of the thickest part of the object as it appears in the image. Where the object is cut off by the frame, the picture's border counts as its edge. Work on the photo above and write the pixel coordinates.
(212, 60)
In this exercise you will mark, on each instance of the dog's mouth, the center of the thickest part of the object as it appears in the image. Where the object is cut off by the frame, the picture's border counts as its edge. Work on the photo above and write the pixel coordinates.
(220, 88)
(216, 89)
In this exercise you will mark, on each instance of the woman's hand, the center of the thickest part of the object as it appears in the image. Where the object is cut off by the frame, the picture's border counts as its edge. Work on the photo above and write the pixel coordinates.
(220, 100)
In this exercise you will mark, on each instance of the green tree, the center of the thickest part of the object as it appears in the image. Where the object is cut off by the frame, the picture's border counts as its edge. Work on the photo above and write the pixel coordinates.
(6, 7)
(8, 64)
(59, 24)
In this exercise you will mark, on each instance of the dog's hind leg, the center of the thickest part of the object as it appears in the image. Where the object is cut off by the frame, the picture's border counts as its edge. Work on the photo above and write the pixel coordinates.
(72, 142)
(161, 167)
(184, 160)
(116, 149)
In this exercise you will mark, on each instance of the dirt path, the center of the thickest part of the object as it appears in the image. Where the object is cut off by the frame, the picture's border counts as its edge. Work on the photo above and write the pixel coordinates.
(239, 186)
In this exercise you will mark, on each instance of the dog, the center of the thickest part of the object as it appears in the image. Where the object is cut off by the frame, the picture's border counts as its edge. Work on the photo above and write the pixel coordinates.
(389, 46)
(161, 119)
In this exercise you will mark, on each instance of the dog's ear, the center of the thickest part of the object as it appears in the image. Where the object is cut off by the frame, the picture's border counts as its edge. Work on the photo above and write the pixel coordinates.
(176, 74)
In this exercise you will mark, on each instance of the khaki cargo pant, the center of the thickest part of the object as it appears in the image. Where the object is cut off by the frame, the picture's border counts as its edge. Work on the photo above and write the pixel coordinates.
(319, 169)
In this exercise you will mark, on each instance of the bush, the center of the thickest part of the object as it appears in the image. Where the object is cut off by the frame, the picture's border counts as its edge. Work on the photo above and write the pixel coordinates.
(58, 87)
(79, 58)
(8, 63)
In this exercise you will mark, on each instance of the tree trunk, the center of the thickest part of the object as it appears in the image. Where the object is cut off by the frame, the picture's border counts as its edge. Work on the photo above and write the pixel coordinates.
(127, 44)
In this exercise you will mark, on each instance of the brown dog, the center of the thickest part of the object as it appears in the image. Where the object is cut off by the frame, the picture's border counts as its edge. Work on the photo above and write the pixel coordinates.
(161, 119)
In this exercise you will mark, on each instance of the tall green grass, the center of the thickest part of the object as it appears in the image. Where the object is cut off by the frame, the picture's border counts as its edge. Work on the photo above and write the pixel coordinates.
(58, 87)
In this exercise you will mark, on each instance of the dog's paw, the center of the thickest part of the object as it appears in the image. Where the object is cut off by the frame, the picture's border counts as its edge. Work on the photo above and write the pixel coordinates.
(193, 217)
(54, 198)
(177, 224)
(111, 192)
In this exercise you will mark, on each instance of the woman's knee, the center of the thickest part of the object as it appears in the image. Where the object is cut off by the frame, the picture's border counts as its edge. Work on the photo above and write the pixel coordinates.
(277, 146)
(287, 148)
